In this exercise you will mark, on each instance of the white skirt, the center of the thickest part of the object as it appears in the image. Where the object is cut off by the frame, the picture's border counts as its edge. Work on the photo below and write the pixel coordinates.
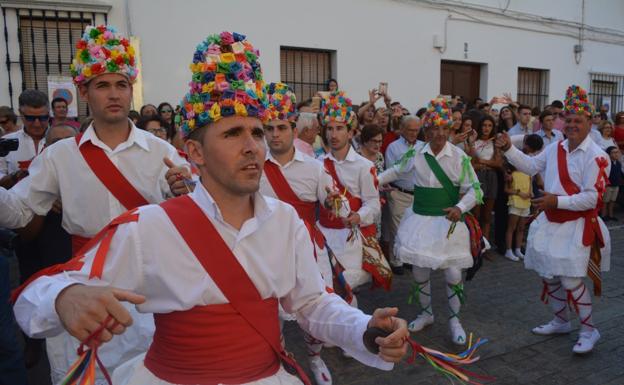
(422, 241)
(134, 372)
(348, 253)
(556, 249)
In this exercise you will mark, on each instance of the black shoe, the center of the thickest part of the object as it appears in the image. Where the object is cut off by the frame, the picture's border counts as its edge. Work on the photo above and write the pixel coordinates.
(397, 270)
(407, 266)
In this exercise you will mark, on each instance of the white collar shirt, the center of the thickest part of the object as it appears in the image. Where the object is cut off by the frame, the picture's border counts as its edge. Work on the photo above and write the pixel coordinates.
(62, 172)
(517, 129)
(273, 247)
(555, 136)
(357, 175)
(25, 152)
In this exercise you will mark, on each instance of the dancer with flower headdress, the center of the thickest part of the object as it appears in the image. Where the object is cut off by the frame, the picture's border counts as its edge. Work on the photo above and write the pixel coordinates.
(301, 181)
(438, 232)
(568, 240)
(352, 239)
(212, 266)
(110, 168)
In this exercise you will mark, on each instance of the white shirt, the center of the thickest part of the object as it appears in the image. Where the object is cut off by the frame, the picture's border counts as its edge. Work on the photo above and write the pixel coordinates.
(517, 129)
(555, 137)
(484, 149)
(356, 175)
(450, 159)
(394, 152)
(273, 247)
(581, 166)
(25, 152)
(61, 172)
(603, 142)
(305, 175)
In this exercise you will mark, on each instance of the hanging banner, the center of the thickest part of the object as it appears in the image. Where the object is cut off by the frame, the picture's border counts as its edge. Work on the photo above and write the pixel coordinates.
(63, 87)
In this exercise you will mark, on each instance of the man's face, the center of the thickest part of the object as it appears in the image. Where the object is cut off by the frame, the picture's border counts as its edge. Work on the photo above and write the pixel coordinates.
(35, 120)
(155, 129)
(438, 135)
(555, 110)
(524, 116)
(279, 136)
(382, 118)
(548, 122)
(338, 135)
(410, 131)
(596, 119)
(60, 110)
(577, 127)
(58, 133)
(231, 156)
(109, 97)
(615, 154)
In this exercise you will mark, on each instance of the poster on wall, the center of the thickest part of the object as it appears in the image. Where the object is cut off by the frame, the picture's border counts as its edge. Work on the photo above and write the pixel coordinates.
(606, 101)
(63, 87)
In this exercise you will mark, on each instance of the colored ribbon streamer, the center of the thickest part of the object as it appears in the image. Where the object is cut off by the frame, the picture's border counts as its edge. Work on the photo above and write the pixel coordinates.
(466, 173)
(409, 154)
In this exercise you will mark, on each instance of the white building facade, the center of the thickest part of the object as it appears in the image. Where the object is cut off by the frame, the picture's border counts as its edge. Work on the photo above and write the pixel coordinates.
(531, 49)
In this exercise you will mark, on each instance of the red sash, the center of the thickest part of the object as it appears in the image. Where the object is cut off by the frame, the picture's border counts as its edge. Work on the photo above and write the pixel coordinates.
(328, 219)
(591, 230)
(285, 193)
(183, 353)
(110, 176)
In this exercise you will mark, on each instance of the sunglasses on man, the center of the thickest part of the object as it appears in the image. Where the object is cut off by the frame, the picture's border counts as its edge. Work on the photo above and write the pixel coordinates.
(32, 118)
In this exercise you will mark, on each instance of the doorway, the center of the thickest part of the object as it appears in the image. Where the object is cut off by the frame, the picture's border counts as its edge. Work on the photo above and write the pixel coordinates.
(460, 78)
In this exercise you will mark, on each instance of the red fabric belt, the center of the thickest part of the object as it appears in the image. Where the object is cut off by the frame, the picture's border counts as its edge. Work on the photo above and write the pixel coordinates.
(591, 229)
(197, 347)
(78, 243)
(329, 220)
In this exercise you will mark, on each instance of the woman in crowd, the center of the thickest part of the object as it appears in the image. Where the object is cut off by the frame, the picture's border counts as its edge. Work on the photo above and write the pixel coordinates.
(371, 138)
(605, 139)
(506, 119)
(166, 112)
(148, 109)
(155, 125)
(486, 160)
(618, 129)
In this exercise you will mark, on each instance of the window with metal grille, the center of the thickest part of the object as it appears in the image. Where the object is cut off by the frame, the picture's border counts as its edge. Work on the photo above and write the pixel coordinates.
(533, 87)
(607, 88)
(46, 41)
(305, 70)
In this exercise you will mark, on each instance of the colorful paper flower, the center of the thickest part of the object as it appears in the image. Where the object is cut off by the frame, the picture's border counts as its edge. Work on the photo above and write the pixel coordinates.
(337, 107)
(438, 114)
(226, 79)
(282, 101)
(577, 101)
(102, 50)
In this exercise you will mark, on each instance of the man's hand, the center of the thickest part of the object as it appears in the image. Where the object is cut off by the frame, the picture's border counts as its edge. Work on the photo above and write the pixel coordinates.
(83, 309)
(332, 196)
(545, 202)
(503, 141)
(393, 347)
(460, 137)
(176, 176)
(352, 220)
(453, 214)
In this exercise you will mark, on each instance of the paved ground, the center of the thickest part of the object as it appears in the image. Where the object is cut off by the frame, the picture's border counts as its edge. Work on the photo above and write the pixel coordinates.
(502, 305)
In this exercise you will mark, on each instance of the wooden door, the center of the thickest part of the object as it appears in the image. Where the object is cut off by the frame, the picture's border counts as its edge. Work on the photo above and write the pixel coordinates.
(458, 78)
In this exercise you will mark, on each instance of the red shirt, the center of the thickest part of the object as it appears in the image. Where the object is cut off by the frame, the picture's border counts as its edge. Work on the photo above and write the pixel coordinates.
(618, 136)
(388, 138)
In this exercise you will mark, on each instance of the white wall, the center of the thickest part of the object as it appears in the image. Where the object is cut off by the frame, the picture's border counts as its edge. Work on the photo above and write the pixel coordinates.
(375, 40)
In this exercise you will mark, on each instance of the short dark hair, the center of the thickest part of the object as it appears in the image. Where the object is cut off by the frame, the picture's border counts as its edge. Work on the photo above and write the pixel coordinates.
(331, 80)
(421, 111)
(534, 142)
(57, 100)
(609, 149)
(305, 103)
(490, 119)
(133, 114)
(7, 112)
(557, 104)
(524, 107)
(142, 123)
(544, 114)
(33, 98)
(370, 131)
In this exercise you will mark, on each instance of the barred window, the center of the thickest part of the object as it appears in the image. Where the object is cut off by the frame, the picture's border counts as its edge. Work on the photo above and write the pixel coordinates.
(533, 87)
(305, 70)
(607, 89)
(46, 41)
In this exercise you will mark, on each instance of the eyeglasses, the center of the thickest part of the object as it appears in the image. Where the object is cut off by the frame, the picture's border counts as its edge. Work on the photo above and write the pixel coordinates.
(155, 130)
(32, 118)
(165, 110)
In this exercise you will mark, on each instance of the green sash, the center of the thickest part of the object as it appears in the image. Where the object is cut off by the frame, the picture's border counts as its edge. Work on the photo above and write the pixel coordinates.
(432, 200)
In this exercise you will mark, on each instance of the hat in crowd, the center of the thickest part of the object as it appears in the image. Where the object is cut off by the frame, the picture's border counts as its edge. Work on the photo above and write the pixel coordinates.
(577, 101)
(226, 81)
(282, 101)
(438, 114)
(337, 108)
(103, 50)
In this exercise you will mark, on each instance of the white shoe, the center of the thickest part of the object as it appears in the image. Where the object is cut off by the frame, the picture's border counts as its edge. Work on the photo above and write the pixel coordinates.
(424, 319)
(519, 254)
(458, 335)
(320, 371)
(586, 342)
(510, 255)
(553, 327)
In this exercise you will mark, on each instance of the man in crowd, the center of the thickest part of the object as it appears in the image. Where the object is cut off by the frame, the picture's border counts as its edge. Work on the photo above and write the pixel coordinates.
(111, 168)
(556, 107)
(524, 117)
(33, 107)
(353, 239)
(568, 240)
(401, 195)
(307, 132)
(8, 120)
(60, 109)
(238, 254)
(547, 121)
